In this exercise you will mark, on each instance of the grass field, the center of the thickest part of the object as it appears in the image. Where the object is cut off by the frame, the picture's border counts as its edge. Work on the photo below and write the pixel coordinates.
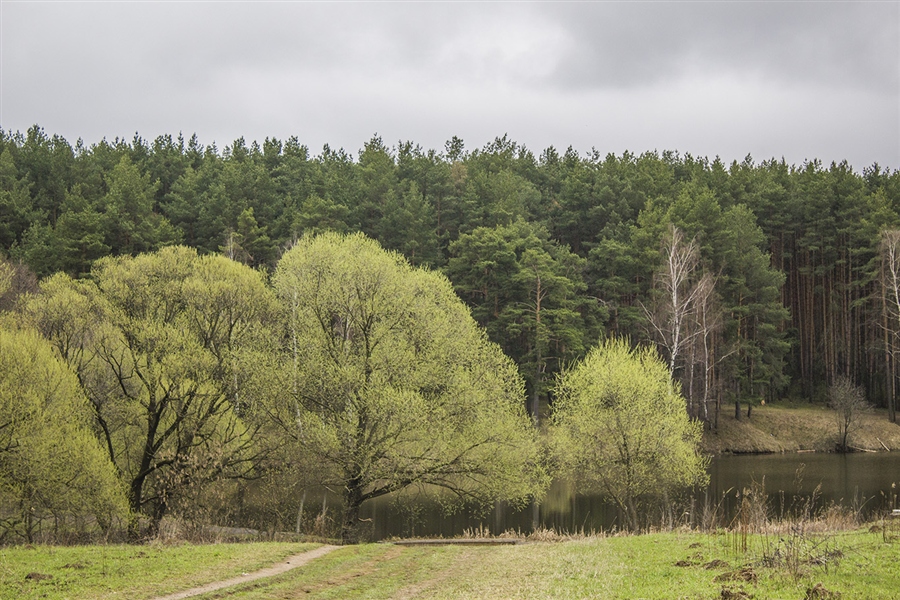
(127, 572)
(859, 564)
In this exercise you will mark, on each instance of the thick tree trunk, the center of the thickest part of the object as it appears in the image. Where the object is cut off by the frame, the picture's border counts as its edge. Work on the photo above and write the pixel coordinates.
(159, 511)
(353, 498)
(134, 504)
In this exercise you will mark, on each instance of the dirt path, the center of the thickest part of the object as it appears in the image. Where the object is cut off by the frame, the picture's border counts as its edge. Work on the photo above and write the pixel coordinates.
(460, 564)
(292, 562)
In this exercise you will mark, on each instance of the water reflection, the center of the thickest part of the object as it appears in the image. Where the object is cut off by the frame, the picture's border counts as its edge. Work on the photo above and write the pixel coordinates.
(861, 482)
(858, 481)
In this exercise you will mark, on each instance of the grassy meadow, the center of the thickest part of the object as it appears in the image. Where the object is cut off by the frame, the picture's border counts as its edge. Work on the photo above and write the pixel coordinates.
(858, 564)
(128, 571)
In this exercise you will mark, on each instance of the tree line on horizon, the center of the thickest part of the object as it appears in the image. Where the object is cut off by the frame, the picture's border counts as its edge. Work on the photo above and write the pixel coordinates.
(756, 281)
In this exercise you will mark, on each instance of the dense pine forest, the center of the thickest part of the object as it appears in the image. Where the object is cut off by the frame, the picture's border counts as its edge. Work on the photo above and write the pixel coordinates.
(756, 280)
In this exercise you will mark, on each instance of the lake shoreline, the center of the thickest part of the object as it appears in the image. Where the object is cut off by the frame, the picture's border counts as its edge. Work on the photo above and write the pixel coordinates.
(796, 427)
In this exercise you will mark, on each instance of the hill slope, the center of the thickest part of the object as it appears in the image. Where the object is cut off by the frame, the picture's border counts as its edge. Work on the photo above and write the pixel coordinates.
(792, 427)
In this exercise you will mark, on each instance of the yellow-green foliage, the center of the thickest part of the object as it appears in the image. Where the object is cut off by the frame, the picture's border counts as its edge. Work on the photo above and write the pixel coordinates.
(154, 340)
(50, 462)
(620, 426)
(6, 276)
(388, 380)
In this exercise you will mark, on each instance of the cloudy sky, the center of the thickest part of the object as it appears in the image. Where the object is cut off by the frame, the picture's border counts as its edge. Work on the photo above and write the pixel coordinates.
(798, 80)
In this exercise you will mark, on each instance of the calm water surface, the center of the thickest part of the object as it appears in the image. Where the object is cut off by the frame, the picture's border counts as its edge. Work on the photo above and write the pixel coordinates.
(859, 481)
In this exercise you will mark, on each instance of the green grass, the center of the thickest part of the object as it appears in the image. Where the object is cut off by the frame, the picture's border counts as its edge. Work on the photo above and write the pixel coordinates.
(857, 564)
(618, 567)
(128, 572)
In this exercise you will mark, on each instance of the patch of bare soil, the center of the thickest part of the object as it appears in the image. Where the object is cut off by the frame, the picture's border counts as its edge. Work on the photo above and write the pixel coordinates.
(732, 593)
(820, 592)
(298, 560)
(743, 574)
(716, 564)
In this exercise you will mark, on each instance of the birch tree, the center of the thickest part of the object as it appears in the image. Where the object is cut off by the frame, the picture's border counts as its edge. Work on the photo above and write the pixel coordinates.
(890, 296)
(677, 296)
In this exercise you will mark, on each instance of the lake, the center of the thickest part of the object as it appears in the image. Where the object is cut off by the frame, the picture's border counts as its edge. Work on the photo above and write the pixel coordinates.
(860, 481)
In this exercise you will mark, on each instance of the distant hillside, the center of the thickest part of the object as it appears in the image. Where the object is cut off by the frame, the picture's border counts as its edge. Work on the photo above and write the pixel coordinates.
(797, 427)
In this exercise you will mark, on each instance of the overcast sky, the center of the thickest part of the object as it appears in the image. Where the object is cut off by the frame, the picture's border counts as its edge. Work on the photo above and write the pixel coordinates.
(798, 80)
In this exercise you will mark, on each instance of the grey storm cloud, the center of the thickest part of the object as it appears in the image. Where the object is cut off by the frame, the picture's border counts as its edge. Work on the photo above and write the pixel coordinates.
(829, 44)
(793, 79)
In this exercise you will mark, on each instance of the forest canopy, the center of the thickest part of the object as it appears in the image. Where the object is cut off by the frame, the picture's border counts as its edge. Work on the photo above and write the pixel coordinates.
(550, 250)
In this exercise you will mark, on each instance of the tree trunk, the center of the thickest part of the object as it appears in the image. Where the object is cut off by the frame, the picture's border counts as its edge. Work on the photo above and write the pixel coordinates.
(888, 363)
(134, 503)
(159, 511)
(538, 376)
(892, 395)
(300, 513)
(27, 518)
(352, 501)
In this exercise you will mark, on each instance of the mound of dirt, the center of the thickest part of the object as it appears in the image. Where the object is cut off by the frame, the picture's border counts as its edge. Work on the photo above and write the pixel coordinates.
(730, 593)
(743, 574)
(716, 564)
(820, 592)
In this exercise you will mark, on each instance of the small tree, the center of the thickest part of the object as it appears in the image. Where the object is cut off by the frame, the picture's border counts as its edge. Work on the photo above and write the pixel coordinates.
(849, 403)
(619, 427)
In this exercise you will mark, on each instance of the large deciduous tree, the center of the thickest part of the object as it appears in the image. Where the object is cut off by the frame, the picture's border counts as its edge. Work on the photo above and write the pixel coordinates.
(389, 383)
(619, 427)
(153, 340)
